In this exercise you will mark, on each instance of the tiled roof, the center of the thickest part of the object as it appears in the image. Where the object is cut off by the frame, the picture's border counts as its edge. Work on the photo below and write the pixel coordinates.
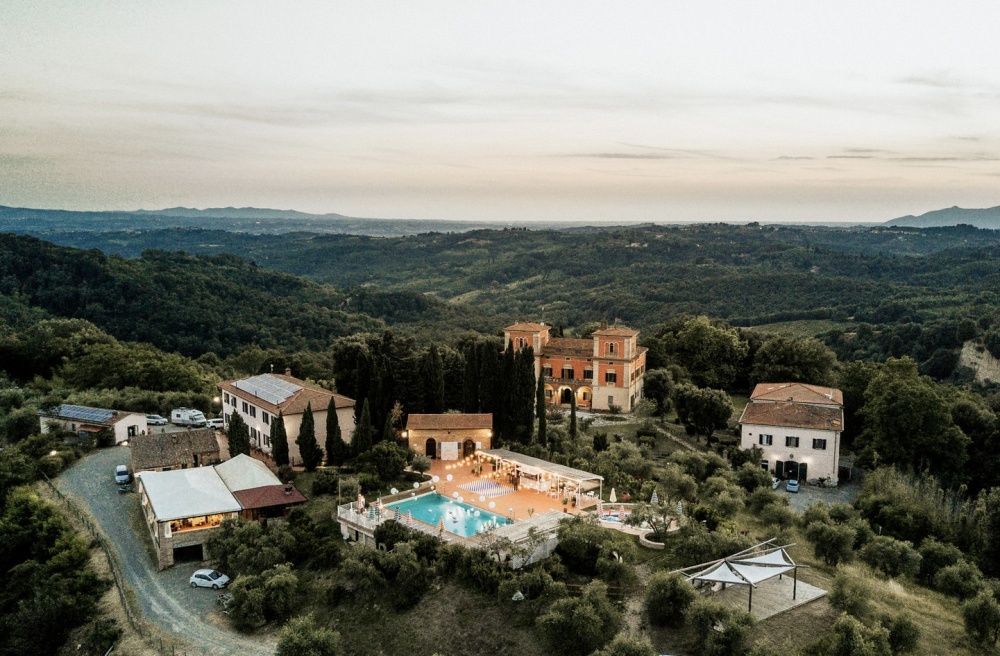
(172, 449)
(568, 346)
(797, 393)
(318, 397)
(616, 331)
(794, 415)
(528, 327)
(450, 422)
(268, 496)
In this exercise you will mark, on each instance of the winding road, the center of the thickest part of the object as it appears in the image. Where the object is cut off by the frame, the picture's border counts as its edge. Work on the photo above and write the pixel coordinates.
(165, 597)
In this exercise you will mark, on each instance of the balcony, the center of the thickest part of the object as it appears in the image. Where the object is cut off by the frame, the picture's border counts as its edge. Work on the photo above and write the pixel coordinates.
(577, 382)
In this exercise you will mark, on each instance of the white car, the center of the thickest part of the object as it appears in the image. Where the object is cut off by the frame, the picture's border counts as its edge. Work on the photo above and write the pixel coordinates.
(156, 420)
(209, 578)
(775, 482)
(218, 423)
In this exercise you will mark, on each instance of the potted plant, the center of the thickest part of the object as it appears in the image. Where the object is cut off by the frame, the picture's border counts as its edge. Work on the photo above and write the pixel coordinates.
(626, 497)
(565, 503)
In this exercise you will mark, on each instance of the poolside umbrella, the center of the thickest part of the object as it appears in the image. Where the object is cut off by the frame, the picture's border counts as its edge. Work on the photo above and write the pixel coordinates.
(680, 508)
(398, 516)
(409, 518)
(600, 508)
(614, 497)
(361, 502)
(621, 513)
(440, 525)
(655, 498)
(371, 513)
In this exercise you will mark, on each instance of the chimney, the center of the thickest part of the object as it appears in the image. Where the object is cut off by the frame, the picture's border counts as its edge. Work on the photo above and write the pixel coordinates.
(288, 489)
(288, 371)
(604, 324)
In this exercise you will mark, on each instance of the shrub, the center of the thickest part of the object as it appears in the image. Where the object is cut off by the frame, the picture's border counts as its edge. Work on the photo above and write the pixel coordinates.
(624, 645)
(935, 556)
(720, 630)
(369, 483)
(286, 473)
(325, 482)
(851, 638)
(390, 533)
(667, 599)
(304, 636)
(904, 633)
(962, 580)
(890, 556)
(420, 463)
(750, 477)
(834, 544)
(763, 497)
(247, 608)
(779, 516)
(591, 620)
(982, 618)
(850, 594)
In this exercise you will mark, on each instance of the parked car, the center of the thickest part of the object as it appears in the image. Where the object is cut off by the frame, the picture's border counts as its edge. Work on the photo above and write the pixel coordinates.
(775, 482)
(218, 423)
(122, 477)
(156, 420)
(209, 578)
(792, 486)
(187, 417)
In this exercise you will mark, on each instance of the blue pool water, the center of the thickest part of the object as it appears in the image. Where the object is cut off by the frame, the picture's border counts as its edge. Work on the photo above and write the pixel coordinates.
(459, 518)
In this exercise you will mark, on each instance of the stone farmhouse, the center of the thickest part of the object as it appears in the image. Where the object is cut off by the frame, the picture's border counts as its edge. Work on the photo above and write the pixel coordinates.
(798, 426)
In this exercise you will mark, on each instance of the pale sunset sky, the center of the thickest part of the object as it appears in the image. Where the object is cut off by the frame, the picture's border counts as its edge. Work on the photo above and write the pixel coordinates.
(504, 111)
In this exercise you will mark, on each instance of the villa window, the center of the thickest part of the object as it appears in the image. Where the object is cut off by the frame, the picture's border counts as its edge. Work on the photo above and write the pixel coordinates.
(611, 348)
(246, 408)
(568, 373)
(792, 441)
(610, 376)
(547, 370)
(253, 411)
(765, 440)
(585, 396)
(266, 418)
(548, 394)
(588, 374)
(819, 445)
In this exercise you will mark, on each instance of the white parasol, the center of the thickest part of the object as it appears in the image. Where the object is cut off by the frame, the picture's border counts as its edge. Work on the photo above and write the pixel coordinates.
(614, 497)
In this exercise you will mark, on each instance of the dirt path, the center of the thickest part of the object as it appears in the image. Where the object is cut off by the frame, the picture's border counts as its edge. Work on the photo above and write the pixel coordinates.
(165, 597)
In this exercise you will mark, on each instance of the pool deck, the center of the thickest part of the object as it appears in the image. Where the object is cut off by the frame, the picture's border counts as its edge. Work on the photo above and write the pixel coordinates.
(515, 505)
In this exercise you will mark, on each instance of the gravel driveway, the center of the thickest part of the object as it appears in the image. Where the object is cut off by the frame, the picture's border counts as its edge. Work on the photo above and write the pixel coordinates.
(165, 597)
(808, 495)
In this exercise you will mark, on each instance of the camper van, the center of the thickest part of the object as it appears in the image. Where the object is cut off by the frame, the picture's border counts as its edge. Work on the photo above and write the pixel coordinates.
(188, 417)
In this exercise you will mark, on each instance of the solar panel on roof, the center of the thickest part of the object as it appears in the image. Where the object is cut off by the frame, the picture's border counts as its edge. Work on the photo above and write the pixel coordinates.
(269, 388)
(83, 413)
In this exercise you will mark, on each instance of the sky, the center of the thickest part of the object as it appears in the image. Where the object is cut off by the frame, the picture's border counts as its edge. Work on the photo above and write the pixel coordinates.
(503, 111)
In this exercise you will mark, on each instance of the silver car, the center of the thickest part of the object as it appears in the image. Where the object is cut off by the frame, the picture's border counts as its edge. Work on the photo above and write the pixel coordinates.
(209, 578)
(156, 420)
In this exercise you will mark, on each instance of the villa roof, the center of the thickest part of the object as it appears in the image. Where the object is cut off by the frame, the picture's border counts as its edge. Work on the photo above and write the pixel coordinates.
(171, 449)
(528, 327)
(797, 393)
(286, 394)
(616, 331)
(268, 496)
(568, 346)
(794, 415)
(559, 470)
(452, 421)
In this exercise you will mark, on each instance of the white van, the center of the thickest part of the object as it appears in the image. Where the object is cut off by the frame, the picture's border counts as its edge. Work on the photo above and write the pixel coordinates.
(188, 417)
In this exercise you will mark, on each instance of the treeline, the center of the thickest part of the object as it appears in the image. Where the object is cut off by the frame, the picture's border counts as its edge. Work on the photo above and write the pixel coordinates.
(174, 301)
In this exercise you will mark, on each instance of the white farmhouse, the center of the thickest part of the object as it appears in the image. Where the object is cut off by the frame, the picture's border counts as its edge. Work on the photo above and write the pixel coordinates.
(83, 421)
(798, 427)
(259, 399)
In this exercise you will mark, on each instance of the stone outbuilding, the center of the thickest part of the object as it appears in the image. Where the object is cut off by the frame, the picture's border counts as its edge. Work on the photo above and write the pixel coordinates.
(449, 436)
(177, 450)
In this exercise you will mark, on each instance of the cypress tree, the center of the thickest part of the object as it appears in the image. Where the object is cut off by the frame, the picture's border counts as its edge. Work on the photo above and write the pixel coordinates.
(489, 380)
(239, 436)
(308, 447)
(363, 378)
(525, 393)
(506, 396)
(362, 441)
(572, 415)
(540, 411)
(470, 381)
(336, 447)
(432, 373)
(388, 432)
(279, 440)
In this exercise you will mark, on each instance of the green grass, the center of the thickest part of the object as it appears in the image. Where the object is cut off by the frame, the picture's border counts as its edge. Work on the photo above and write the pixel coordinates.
(803, 328)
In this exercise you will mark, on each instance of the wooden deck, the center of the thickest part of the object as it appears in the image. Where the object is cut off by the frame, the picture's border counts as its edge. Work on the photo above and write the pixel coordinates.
(770, 598)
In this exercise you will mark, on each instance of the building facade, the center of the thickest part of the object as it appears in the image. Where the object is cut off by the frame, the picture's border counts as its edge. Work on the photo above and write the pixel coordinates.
(449, 436)
(176, 450)
(83, 421)
(604, 372)
(259, 400)
(798, 427)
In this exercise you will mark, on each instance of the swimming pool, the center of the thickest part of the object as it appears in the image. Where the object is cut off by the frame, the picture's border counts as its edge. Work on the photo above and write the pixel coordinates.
(459, 518)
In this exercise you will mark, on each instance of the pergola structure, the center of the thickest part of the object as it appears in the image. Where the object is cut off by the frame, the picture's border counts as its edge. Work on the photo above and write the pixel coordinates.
(748, 567)
(545, 476)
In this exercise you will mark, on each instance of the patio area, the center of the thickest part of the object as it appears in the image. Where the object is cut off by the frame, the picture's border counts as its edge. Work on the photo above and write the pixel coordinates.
(479, 486)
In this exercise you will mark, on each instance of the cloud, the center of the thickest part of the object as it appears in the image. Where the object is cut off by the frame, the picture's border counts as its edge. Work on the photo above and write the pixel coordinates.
(935, 80)
(850, 157)
(791, 157)
(627, 155)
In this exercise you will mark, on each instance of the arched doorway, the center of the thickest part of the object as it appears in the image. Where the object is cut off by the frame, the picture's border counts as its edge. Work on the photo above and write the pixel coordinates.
(584, 397)
(430, 448)
(791, 470)
(468, 448)
(566, 396)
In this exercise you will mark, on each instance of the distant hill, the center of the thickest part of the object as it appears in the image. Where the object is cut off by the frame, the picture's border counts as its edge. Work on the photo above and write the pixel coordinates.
(988, 218)
(237, 213)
